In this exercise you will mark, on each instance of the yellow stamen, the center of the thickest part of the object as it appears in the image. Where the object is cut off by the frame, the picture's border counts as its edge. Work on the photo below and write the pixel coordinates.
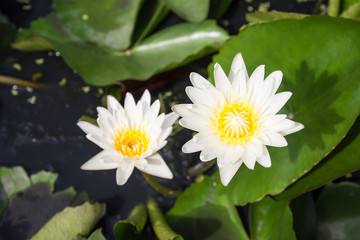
(235, 123)
(131, 142)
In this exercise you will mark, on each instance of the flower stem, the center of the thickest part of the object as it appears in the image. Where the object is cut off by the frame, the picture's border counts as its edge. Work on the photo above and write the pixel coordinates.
(334, 8)
(159, 188)
(200, 168)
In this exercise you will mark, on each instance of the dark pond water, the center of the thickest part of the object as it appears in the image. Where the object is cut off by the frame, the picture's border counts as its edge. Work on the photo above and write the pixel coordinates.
(38, 126)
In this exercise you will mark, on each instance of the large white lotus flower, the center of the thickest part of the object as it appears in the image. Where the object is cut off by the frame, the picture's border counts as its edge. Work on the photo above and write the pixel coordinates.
(236, 118)
(130, 136)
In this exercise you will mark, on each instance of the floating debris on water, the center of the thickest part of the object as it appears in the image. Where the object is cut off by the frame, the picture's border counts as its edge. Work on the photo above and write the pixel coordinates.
(31, 100)
(63, 82)
(23, 1)
(85, 89)
(264, 7)
(17, 66)
(29, 89)
(85, 17)
(100, 91)
(249, 1)
(57, 54)
(36, 76)
(39, 61)
(27, 7)
(250, 8)
(50, 54)
(14, 92)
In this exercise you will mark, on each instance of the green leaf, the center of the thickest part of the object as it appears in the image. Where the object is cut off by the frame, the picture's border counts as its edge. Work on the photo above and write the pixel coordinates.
(345, 4)
(218, 8)
(352, 12)
(97, 235)
(192, 208)
(150, 15)
(338, 211)
(158, 223)
(270, 219)
(133, 226)
(8, 34)
(192, 11)
(323, 77)
(71, 222)
(12, 181)
(273, 15)
(43, 176)
(108, 23)
(304, 216)
(171, 47)
(347, 153)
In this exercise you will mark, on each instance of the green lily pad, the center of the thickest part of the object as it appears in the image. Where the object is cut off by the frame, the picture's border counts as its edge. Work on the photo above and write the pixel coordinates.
(323, 76)
(109, 23)
(198, 206)
(43, 176)
(12, 181)
(192, 11)
(171, 47)
(338, 212)
(72, 221)
(270, 219)
(343, 160)
(133, 226)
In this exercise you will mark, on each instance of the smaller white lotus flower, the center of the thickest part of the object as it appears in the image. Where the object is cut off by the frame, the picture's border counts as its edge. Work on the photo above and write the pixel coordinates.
(130, 136)
(236, 119)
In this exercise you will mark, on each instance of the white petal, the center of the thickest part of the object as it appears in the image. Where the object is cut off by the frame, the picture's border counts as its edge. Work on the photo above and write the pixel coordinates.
(164, 134)
(277, 102)
(283, 125)
(228, 171)
(276, 139)
(182, 109)
(170, 119)
(132, 111)
(255, 149)
(264, 160)
(140, 164)
(222, 83)
(295, 128)
(145, 101)
(195, 123)
(123, 172)
(276, 78)
(89, 128)
(249, 160)
(239, 85)
(257, 76)
(238, 65)
(190, 147)
(153, 112)
(208, 153)
(113, 104)
(97, 162)
(157, 167)
(198, 81)
(100, 141)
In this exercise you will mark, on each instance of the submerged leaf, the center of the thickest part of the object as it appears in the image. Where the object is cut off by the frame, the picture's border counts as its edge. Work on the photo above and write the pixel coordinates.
(47, 177)
(273, 15)
(338, 211)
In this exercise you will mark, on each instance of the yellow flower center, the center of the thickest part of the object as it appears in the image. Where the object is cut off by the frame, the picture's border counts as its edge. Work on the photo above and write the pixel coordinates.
(235, 123)
(131, 142)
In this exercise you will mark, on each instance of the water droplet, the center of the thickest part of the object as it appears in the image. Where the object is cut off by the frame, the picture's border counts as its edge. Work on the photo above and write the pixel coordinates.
(57, 54)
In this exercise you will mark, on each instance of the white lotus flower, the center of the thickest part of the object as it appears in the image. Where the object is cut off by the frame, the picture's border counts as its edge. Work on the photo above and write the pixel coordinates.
(130, 136)
(236, 119)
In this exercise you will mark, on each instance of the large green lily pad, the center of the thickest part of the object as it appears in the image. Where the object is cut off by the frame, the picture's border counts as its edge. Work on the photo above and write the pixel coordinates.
(270, 219)
(322, 74)
(162, 51)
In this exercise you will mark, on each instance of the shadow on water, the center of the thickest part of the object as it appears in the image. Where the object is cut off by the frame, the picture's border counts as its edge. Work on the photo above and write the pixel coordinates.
(312, 105)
